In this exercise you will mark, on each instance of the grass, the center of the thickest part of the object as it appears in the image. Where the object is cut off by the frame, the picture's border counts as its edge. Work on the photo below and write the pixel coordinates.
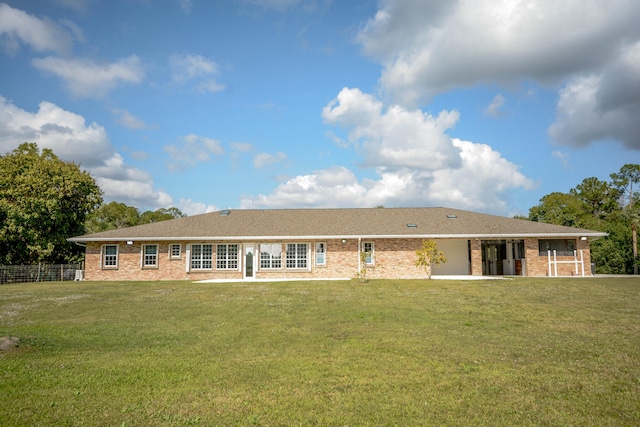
(497, 352)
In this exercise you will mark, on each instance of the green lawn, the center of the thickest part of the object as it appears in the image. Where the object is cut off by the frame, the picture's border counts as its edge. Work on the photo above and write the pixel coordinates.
(406, 352)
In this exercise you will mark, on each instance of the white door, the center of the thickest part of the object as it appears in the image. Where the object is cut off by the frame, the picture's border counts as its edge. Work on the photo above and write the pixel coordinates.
(509, 263)
(250, 262)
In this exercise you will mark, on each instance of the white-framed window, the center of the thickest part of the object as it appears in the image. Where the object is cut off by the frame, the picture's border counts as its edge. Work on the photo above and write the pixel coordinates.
(227, 257)
(201, 256)
(149, 256)
(563, 247)
(297, 255)
(109, 256)
(270, 256)
(175, 250)
(368, 249)
(321, 254)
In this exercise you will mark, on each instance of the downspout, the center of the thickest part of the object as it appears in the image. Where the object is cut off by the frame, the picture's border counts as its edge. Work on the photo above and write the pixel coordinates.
(358, 254)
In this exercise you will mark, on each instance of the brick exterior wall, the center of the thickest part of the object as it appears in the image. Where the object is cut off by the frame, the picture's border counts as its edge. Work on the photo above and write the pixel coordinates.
(538, 265)
(393, 258)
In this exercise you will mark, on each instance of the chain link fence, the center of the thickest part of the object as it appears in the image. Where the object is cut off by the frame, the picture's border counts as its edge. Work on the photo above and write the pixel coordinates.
(39, 273)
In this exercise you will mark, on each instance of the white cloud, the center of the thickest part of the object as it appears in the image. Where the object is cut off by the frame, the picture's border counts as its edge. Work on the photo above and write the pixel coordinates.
(127, 184)
(189, 207)
(76, 30)
(494, 109)
(394, 138)
(243, 147)
(428, 47)
(482, 182)
(87, 79)
(602, 106)
(416, 162)
(263, 159)
(563, 157)
(340, 142)
(41, 35)
(70, 138)
(191, 150)
(128, 120)
(195, 70)
(332, 187)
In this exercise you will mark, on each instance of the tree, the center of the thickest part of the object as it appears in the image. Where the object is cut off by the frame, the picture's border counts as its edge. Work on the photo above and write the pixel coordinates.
(115, 215)
(429, 255)
(557, 208)
(43, 201)
(598, 199)
(612, 254)
(624, 181)
(112, 216)
(161, 214)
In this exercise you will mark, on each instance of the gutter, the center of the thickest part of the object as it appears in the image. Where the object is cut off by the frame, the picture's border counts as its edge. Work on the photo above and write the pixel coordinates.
(332, 237)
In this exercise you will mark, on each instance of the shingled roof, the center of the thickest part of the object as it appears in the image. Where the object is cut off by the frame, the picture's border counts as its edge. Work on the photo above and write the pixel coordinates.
(336, 223)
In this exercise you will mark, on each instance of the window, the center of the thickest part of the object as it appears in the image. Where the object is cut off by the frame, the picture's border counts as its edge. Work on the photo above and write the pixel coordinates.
(321, 254)
(201, 257)
(270, 255)
(174, 250)
(297, 255)
(110, 256)
(227, 257)
(367, 248)
(149, 256)
(563, 247)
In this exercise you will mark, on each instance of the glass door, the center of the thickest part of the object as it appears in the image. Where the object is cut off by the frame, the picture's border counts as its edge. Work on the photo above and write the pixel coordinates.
(249, 261)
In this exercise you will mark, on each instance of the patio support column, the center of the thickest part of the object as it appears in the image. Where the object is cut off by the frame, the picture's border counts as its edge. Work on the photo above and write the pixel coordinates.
(476, 257)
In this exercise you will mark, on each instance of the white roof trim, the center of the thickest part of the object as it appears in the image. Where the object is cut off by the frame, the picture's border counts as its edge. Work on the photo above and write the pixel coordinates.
(328, 237)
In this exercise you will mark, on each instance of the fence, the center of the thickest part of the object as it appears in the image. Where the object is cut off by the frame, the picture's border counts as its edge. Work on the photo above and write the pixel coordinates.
(38, 273)
(553, 263)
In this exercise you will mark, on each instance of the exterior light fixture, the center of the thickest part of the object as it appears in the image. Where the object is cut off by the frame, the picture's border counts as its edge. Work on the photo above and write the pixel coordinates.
(129, 242)
(344, 240)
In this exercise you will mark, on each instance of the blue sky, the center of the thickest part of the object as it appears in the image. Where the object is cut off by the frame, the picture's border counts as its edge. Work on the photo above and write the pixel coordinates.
(203, 105)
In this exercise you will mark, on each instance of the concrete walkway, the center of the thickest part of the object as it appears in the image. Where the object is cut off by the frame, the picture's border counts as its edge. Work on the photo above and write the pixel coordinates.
(453, 277)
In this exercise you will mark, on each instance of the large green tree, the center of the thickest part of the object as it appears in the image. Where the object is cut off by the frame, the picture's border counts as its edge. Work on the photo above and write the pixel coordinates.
(558, 208)
(43, 201)
(597, 199)
(114, 215)
(627, 182)
(161, 214)
(111, 216)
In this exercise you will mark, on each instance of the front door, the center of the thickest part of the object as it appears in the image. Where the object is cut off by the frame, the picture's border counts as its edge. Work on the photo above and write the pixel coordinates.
(249, 271)
(493, 253)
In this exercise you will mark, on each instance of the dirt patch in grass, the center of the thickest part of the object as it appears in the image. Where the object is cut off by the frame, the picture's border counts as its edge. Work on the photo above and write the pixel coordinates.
(9, 343)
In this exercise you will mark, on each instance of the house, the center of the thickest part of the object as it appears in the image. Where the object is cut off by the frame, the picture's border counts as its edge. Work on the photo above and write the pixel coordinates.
(326, 244)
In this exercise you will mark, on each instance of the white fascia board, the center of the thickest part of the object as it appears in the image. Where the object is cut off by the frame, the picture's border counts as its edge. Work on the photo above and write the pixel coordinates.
(330, 237)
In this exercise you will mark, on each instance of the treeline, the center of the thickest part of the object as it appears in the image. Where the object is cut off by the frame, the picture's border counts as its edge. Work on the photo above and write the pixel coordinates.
(116, 215)
(45, 200)
(610, 206)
